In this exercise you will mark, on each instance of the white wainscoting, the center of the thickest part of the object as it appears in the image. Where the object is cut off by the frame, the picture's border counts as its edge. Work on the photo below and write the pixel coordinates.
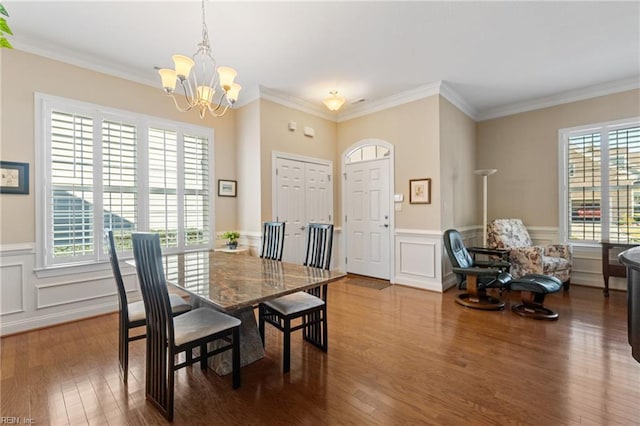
(29, 301)
(12, 286)
(418, 259)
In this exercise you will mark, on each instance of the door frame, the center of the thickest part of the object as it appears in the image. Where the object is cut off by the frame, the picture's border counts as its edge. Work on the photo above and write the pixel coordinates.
(344, 199)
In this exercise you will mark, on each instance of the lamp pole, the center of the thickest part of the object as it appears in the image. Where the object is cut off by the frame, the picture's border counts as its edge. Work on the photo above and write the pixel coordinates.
(485, 173)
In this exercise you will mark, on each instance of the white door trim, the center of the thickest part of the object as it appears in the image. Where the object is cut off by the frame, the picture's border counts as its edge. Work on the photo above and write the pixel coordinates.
(392, 186)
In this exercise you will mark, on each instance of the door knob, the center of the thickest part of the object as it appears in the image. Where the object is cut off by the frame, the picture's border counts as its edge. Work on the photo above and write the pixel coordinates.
(386, 225)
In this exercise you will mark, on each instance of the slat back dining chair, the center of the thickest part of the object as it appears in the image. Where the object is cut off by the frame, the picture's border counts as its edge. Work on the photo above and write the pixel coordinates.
(131, 315)
(319, 244)
(272, 240)
(310, 306)
(168, 336)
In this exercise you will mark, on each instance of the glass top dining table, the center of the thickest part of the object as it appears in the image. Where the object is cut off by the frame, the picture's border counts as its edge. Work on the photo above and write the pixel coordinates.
(230, 282)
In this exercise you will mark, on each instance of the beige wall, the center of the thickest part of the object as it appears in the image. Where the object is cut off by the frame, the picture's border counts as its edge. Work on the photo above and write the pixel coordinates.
(413, 130)
(23, 74)
(524, 149)
(275, 136)
(459, 185)
(249, 195)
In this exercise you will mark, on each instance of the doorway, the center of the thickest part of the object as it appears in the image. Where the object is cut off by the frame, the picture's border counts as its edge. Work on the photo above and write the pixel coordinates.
(368, 215)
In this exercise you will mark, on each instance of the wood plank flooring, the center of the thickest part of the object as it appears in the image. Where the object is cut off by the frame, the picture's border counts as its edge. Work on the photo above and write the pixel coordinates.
(396, 356)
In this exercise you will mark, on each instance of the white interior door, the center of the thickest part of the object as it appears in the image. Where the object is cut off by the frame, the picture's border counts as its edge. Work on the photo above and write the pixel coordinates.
(317, 190)
(304, 194)
(367, 218)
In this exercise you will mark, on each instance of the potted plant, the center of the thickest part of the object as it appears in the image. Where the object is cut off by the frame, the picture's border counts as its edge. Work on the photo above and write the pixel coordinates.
(232, 239)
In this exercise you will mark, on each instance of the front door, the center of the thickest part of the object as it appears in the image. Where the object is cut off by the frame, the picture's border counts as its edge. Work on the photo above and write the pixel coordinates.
(367, 218)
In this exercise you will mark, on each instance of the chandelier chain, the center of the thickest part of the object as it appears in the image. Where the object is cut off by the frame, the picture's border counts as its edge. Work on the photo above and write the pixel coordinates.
(205, 31)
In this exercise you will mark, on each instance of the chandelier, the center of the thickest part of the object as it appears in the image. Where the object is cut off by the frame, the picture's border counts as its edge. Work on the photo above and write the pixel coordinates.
(205, 86)
(333, 101)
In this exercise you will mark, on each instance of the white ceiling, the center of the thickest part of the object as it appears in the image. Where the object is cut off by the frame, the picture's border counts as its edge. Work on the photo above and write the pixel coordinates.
(493, 56)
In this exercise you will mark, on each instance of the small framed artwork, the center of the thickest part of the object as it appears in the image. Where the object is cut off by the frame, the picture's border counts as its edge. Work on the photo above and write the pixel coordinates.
(15, 178)
(420, 191)
(227, 188)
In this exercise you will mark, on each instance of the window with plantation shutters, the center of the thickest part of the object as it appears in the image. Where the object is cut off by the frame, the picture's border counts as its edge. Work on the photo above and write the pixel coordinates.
(196, 190)
(71, 197)
(601, 197)
(119, 181)
(114, 169)
(163, 185)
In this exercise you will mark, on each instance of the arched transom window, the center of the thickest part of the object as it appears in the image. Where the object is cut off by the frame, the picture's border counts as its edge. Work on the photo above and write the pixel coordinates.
(368, 152)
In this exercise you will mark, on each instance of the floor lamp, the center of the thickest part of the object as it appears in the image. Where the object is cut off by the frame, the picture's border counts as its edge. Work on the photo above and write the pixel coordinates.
(485, 173)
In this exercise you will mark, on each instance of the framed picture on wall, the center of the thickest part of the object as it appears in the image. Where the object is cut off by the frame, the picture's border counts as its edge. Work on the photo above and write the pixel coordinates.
(14, 178)
(227, 188)
(420, 191)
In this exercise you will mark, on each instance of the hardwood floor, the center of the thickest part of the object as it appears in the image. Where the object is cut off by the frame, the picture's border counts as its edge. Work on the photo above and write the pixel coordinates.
(396, 356)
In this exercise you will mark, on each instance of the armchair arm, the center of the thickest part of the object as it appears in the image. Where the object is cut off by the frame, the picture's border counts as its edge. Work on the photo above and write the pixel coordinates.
(492, 264)
(564, 251)
(503, 254)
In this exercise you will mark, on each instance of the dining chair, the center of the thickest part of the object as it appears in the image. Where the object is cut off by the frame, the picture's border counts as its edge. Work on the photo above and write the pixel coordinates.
(309, 306)
(168, 336)
(132, 315)
(272, 240)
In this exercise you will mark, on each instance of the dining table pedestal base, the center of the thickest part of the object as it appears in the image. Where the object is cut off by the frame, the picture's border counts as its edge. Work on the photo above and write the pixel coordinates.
(251, 349)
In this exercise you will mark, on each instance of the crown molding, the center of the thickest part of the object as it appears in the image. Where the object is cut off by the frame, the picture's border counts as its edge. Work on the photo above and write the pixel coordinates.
(93, 63)
(447, 92)
(438, 88)
(562, 98)
(295, 103)
(73, 57)
(401, 98)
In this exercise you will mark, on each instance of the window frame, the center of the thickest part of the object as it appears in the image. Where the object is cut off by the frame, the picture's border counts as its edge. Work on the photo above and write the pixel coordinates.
(44, 105)
(564, 210)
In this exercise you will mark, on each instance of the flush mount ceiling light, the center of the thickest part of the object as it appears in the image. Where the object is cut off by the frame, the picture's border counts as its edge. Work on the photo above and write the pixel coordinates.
(201, 80)
(333, 101)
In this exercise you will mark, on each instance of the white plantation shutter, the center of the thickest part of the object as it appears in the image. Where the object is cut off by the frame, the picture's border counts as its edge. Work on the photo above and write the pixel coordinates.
(624, 185)
(603, 183)
(113, 169)
(584, 187)
(71, 187)
(196, 190)
(163, 185)
(119, 181)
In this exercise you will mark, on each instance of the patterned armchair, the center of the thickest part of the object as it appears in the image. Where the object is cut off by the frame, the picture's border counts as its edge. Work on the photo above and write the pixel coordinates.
(510, 234)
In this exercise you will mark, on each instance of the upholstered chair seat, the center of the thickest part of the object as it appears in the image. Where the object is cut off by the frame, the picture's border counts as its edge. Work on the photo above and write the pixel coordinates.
(294, 303)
